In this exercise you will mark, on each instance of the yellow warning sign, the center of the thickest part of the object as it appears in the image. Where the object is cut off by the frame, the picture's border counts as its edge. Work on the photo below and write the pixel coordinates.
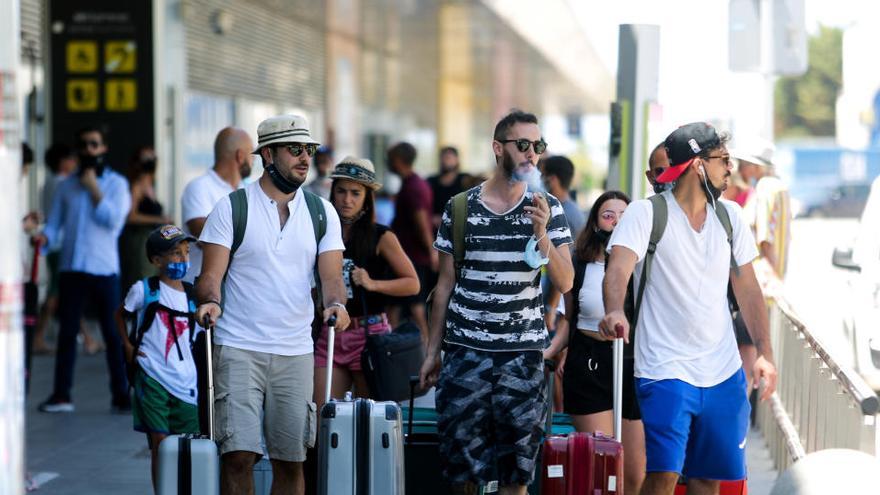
(82, 56)
(82, 95)
(120, 95)
(120, 57)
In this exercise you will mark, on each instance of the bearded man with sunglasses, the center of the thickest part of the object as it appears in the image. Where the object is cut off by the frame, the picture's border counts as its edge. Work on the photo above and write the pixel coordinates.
(689, 379)
(263, 361)
(491, 401)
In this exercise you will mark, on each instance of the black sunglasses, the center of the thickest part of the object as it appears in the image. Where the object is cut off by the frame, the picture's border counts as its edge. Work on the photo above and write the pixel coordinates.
(296, 149)
(523, 145)
(83, 144)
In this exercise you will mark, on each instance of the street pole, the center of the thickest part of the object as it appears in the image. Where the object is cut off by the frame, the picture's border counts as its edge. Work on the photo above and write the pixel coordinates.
(637, 75)
(11, 334)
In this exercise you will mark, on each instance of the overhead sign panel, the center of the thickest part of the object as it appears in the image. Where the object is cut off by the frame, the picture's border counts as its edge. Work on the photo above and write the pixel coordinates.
(102, 72)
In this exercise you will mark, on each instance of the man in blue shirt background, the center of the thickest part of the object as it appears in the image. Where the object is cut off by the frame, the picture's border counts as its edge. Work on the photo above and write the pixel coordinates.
(87, 214)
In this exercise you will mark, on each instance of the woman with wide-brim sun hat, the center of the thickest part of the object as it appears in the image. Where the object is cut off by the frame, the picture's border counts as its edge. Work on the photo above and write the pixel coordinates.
(374, 268)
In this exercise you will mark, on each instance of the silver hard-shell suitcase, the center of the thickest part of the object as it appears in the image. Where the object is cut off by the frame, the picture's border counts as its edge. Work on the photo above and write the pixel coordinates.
(360, 449)
(189, 464)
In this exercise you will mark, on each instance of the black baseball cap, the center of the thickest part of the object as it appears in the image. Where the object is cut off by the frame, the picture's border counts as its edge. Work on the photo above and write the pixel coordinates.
(165, 238)
(686, 143)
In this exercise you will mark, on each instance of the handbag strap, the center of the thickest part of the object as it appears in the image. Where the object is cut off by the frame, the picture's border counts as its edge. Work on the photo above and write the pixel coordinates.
(363, 298)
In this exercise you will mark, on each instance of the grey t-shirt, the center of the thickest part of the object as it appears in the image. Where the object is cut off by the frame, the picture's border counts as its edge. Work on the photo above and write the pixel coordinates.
(496, 305)
(575, 217)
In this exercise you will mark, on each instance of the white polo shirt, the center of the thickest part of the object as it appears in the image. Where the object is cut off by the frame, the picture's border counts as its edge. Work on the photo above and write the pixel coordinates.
(267, 295)
(198, 200)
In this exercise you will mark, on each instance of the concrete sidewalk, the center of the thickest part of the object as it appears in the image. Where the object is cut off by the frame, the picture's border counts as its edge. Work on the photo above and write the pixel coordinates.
(88, 451)
(95, 452)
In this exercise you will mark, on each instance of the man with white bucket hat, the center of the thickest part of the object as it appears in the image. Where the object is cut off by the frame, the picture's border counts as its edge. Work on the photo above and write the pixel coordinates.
(262, 245)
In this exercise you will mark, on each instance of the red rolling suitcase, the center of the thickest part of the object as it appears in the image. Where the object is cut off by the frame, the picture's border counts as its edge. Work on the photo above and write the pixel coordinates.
(740, 487)
(587, 463)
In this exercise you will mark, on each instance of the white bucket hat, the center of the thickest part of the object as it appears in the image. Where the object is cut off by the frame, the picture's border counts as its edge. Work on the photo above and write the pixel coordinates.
(359, 170)
(757, 151)
(283, 129)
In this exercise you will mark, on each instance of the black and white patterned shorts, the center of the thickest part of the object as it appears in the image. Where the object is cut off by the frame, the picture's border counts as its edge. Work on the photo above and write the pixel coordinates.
(491, 408)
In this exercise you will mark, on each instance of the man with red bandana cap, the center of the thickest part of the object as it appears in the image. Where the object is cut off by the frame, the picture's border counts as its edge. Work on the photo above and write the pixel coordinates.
(689, 378)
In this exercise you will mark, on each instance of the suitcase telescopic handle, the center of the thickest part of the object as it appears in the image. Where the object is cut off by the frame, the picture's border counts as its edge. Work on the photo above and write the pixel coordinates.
(209, 364)
(618, 382)
(413, 382)
(331, 341)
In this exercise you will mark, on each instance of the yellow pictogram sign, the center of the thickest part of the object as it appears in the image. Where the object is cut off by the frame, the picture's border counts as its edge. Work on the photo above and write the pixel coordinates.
(120, 57)
(120, 95)
(82, 56)
(82, 95)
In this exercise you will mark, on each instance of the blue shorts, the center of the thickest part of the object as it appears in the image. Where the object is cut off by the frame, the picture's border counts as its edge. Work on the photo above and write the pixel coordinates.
(699, 432)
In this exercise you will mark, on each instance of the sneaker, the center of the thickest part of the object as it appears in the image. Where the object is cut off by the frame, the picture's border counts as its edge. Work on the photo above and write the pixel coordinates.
(52, 405)
(123, 408)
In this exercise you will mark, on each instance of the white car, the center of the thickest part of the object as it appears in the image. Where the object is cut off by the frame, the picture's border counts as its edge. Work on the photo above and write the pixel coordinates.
(861, 323)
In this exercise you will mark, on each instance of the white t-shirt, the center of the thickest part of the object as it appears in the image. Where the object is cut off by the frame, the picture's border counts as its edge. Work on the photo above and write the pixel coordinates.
(591, 306)
(198, 200)
(162, 362)
(684, 330)
(268, 305)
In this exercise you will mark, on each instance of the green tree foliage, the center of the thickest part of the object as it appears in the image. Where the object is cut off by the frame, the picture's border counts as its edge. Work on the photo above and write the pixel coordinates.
(805, 104)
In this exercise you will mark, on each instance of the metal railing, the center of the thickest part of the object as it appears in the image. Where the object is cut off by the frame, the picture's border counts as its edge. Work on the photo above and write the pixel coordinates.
(818, 404)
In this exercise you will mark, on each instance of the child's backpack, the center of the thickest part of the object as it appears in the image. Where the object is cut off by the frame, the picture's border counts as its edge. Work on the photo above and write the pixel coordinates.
(145, 316)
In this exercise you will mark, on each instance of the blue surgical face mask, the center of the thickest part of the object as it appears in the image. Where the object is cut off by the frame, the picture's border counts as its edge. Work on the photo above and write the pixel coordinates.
(177, 270)
(530, 175)
(533, 254)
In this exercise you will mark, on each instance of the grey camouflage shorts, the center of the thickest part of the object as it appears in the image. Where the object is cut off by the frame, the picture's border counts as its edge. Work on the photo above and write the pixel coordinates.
(491, 408)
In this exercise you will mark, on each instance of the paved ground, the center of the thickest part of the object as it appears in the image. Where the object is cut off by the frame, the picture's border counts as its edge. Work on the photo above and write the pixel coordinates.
(93, 451)
(90, 450)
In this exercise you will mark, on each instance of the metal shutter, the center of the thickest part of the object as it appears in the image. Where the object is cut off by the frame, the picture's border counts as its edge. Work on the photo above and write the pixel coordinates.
(274, 51)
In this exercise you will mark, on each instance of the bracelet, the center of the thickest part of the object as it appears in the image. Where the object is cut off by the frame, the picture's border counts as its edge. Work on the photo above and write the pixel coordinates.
(338, 304)
(212, 301)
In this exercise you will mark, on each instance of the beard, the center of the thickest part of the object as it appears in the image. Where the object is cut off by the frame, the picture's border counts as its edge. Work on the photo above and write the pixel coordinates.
(448, 168)
(244, 169)
(508, 166)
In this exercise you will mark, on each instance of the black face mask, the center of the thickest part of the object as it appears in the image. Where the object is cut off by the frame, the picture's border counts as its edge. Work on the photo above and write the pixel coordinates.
(282, 183)
(602, 235)
(91, 162)
(148, 166)
(659, 187)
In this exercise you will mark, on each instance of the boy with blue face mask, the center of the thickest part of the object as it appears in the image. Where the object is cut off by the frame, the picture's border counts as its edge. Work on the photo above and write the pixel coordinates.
(157, 326)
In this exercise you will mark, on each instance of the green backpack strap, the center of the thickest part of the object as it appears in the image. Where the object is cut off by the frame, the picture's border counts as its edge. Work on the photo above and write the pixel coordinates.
(316, 211)
(724, 217)
(238, 201)
(658, 226)
(459, 222)
(319, 224)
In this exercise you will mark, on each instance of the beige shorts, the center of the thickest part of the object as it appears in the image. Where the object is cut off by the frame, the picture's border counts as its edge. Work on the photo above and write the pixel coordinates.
(258, 394)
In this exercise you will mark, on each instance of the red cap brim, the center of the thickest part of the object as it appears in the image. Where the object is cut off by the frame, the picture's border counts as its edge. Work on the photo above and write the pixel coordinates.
(673, 172)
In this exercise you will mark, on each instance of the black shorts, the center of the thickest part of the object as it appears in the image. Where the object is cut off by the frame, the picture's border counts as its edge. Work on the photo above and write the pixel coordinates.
(588, 382)
(742, 332)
